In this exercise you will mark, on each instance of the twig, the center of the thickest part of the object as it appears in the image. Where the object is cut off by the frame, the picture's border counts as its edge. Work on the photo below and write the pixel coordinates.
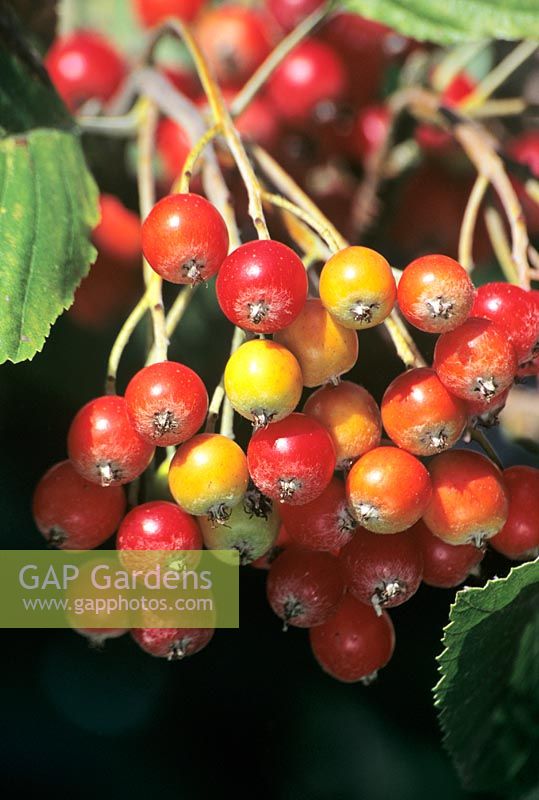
(122, 339)
(323, 232)
(469, 221)
(479, 437)
(499, 75)
(181, 185)
(500, 244)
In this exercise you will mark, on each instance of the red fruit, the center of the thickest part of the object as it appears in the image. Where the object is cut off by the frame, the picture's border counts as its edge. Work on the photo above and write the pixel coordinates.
(259, 124)
(172, 643)
(281, 543)
(152, 12)
(118, 234)
(519, 537)
(167, 403)
(323, 524)
(444, 565)
(525, 150)
(435, 294)
(292, 460)
(458, 89)
(310, 75)
(290, 13)
(382, 570)
(355, 643)
(420, 415)
(84, 65)
(475, 360)
(103, 446)
(158, 525)
(370, 130)
(485, 412)
(173, 145)
(304, 587)
(184, 238)
(74, 514)
(107, 292)
(515, 311)
(262, 286)
(388, 490)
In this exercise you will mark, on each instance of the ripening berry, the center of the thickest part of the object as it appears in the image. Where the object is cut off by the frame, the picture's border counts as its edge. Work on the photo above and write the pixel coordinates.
(388, 490)
(323, 348)
(435, 293)
(357, 287)
(72, 513)
(351, 417)
(304, 587)
(152, 12)
(514, 311)
(172, 643)
(292, 460)
(167, 403)
(262, 286)
(263, 381)
(469, 500)
(184, 238)
(158, 525)
(444, 565)
(382, 570)
(208, 476)
(476, 360)
(118, 235)
(102, 444)
(290, 13)
(524, 149)
(485, 413)
(519, 537)
(279, 545)
(370, 130)
(420, 415)
(354, 643)
(323, 524)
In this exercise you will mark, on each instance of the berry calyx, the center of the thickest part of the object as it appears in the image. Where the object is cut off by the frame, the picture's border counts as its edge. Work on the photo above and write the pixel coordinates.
(519, 537)
(514, 311)
(323, 524)
(174, 644)
(444, 565)
(279, 545)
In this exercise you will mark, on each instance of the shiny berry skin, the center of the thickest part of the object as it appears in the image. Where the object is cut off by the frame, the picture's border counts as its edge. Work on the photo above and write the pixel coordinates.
(324, 349)
(444, 565)
(118, 235)
(513, 310)
(102, 444)
(279, 545)
(173, 145)
(158, 525)
(469, 500)
(184, 238)
(420, 415)
(476, 360)
(435, 294)
(354, 643)
(382, 570)
(519, 537)
(304, 587)
(173, 644)
(152, 12)
(292, 460)
(167, 403)
(323, 524)
(262, 286)
(357, 287)
(388, 490)
(290, 13)
(72, 513)
(311, 75)
(83, 65)
(370, 131)
(351, 417)
(263, 381)
(208, 475)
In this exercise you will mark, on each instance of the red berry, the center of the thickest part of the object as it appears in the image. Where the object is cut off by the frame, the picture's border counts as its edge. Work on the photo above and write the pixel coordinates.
(74, 514)
(290, 13)
(262, 286)
(323, 524)
(280, 544)
(515, 311)
(475, 360)
(382, 570)
(519, 537)
(173, 145)
(435, 294)
(292, 460)
(152, 12)
(184, 238)
(107, 293)
(524, 148)
(259, 124)
(118, 234)
(485, 412)
(458, 89)
(172, 643)
(355, 643)
(444, 565)
(167, 403)
(102, 444)
(158, 525)
(304, 587)
(370, 130)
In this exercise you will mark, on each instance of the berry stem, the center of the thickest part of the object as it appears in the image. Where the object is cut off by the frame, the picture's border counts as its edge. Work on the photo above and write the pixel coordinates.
(499, 74)
(479, 437)
(469, 221)
(122, 339)
(181, 185)
(218, 396)
(454, 62)
(500, 243)
(323, 232)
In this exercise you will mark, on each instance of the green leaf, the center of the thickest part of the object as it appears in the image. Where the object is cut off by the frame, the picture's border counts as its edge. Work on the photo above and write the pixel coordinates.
(448, 21)
(488, 695)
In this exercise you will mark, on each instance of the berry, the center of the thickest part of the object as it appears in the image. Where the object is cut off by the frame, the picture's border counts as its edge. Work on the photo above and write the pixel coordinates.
(152, 12)
(444, 565)
(485, 412)
(158, 525)
(514, 311)
(304, 587)
(262, 286)
(458, 89)
(351, 417)
(370, 130)
(166, 402)
(102, 444)
(323, 524)
(290, 13)
(173, 145)
(354, 643)
(323, 348)
(184, 238)
(388, 490)
(476, 360)
(263, 381)
(208, 476)
(420, 415)
(357, 287)
(106, 293)
(519, 537)
(524, 149)
(98, 636)
(172, 643)
(118, 234)
(258, 122)
(292, 460)
(382, 570)
(469, 500)
(280, 544)
(74, 514)
(435, 294)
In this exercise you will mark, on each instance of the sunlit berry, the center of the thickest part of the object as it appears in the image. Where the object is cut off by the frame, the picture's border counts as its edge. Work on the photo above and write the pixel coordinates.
(323, 524)
(173, 644)
(519, 537)
(513, 310)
